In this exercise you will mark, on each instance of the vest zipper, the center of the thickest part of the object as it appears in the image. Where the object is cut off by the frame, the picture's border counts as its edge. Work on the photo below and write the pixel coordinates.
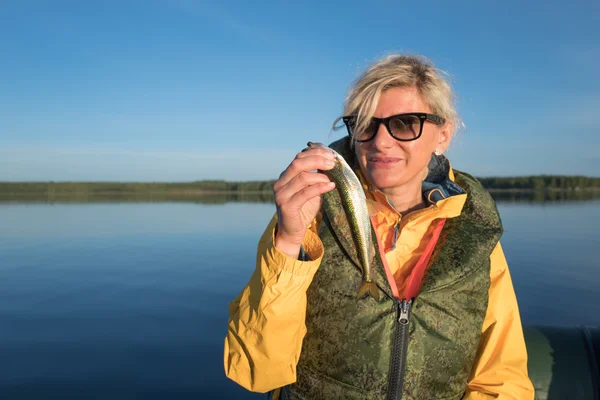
(399, 353)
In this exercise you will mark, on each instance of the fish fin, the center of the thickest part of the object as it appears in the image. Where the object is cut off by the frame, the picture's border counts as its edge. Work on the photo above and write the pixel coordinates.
(374, 207)
(369, 288)
(372, 251)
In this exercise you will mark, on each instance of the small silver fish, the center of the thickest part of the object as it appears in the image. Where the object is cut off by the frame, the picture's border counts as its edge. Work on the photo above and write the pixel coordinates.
(355, 205)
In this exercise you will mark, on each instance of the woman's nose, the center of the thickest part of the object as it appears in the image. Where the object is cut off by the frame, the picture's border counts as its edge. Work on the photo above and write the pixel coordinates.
(382, 137)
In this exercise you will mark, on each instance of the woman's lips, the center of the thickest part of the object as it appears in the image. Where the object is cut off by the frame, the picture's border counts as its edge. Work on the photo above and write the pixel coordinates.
(383, 162)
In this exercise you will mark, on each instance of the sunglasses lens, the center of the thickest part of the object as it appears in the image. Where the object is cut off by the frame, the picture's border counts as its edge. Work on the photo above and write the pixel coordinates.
(363, 136)
(369, 131)
(405, 127)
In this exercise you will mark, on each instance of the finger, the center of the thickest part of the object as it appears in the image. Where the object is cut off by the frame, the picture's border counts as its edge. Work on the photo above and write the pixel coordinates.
(308, 152)
(298, 200)
(303, 164)
(296, 184)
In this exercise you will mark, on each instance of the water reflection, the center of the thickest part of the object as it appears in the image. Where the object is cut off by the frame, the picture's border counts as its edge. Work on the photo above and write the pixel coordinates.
(108, 297)
(545, 196)
(266, 197)
(542, 196)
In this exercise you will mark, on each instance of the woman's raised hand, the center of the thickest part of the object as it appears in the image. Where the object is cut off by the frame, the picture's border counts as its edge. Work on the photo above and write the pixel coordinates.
(298, 197)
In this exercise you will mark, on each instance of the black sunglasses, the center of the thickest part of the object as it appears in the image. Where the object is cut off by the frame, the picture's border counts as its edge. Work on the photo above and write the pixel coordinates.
(403, 127)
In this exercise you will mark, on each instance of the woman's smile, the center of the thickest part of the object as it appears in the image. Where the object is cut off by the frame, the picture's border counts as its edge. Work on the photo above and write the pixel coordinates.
(383, 162)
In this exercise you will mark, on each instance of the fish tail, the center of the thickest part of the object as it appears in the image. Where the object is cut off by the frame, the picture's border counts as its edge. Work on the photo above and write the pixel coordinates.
(369, 288)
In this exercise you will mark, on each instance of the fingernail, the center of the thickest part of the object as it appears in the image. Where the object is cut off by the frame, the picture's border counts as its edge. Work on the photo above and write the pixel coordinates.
(329, 163)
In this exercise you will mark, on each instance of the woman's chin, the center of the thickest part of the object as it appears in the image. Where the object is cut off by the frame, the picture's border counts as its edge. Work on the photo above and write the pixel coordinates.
(385, 181)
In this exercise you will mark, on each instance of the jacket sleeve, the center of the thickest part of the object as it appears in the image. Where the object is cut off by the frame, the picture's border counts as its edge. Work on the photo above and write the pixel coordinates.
(267, 320)
(500, 370)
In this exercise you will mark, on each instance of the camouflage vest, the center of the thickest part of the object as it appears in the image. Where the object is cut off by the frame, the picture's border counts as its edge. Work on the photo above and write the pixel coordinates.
(347, 351)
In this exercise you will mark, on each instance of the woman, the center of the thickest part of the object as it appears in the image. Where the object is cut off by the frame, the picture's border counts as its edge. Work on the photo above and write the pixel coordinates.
(446, 325)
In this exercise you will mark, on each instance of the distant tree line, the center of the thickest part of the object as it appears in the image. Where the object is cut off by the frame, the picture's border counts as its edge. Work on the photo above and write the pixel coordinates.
(199, 187)
(543, 182)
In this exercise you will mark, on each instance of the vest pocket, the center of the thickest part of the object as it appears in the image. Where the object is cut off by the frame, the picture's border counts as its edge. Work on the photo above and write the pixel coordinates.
(315, 385)
(453, 397)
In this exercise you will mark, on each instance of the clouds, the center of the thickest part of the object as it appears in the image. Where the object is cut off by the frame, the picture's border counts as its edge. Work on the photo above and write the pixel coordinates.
(190, 89)
(494, 153)
(113, 164)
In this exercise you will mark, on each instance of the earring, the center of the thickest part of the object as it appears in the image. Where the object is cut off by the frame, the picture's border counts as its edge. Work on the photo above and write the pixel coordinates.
(438, 153)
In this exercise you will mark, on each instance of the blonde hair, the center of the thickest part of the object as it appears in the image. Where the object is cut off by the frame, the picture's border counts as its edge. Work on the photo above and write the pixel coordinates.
(399, 70)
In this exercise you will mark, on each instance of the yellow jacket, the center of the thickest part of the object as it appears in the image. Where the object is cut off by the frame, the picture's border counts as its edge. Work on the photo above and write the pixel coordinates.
(267, 320)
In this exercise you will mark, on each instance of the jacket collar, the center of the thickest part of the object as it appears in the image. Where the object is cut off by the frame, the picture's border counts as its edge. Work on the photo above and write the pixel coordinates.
(438, 188)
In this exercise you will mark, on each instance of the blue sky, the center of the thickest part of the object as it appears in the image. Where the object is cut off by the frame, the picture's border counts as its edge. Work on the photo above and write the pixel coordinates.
(186, 90)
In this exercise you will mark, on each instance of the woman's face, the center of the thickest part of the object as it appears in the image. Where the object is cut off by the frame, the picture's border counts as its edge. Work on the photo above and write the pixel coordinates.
(389, 163)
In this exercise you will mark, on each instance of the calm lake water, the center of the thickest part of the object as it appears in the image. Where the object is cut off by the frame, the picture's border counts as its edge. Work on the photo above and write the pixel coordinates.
(130, 300)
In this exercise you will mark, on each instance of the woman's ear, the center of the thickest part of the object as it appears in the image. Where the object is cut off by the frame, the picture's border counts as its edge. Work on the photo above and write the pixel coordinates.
(445, 136)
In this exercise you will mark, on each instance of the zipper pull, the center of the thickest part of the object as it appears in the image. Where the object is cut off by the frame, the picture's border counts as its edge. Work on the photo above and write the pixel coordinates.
(404, 308)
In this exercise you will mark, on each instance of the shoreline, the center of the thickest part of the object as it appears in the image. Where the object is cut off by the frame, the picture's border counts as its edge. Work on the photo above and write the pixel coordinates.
(192, 192)
(531, 184)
